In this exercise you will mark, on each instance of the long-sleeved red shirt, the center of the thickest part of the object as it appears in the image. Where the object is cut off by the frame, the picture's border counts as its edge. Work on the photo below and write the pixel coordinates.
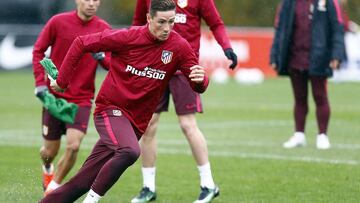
(141, 67)
(59, 32)
(188, 20)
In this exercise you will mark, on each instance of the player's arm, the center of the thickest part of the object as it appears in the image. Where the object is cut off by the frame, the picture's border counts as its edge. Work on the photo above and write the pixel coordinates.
(337, 36)
(213, 19)
(199, 81)
(44, 41)
(195, 73)
(275, 45)
(106, 41)
(101, 57)
(141, 10)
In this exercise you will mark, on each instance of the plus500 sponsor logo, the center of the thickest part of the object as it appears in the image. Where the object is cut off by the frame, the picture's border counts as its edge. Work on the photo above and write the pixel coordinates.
(147, 72)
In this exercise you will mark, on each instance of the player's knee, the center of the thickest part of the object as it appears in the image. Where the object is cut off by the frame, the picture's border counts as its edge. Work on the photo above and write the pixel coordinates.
(73, 147)
(132, 153)
(188, 127)
(320, 99)
(301, 100)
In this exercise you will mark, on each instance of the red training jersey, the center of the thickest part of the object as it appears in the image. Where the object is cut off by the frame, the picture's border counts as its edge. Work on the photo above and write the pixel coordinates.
(141, 67)
(58, 33)
(188, 20)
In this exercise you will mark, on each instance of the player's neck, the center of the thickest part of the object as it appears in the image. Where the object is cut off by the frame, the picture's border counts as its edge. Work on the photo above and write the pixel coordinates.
(83, 17)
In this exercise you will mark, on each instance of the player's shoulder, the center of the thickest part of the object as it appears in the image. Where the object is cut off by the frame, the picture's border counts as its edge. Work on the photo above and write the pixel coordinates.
(175, 35)
(101, 21)
(176, 38)
(59, 18)
(178, 43)
(62, 16)
(136, 30)
(118, 33)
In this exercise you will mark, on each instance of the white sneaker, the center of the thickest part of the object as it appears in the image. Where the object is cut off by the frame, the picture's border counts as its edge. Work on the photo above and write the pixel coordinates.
(297, 140)
(322, 142)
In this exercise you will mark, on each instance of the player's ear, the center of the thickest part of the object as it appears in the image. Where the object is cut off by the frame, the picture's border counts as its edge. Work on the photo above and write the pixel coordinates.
(148, 18)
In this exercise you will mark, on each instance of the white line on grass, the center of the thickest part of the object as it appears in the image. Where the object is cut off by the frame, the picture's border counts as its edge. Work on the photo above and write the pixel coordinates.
(223, 153)
(207, 124)
(28, 138)
(236, 143)
(264, 156)
(33, 138)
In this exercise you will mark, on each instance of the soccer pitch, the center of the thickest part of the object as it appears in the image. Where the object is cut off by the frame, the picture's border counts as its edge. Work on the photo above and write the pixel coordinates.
(244, 126)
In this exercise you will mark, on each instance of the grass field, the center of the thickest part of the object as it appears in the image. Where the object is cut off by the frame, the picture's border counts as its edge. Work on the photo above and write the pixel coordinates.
(244, 127)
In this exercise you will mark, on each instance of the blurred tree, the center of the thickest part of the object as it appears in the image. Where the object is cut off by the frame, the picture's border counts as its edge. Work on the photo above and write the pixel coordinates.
(247, 12)
(118, 12)
(353, 9)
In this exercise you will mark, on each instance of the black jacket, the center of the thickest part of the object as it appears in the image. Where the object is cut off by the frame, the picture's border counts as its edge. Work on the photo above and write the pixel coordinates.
(327, 37)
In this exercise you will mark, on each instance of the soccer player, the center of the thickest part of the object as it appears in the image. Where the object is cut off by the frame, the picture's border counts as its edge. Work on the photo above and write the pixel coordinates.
(59, 33)
(187, 102)
(144, 58)
(308, 46)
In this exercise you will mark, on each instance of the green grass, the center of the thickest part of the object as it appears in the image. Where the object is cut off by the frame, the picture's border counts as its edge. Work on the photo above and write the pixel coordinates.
(244, 127)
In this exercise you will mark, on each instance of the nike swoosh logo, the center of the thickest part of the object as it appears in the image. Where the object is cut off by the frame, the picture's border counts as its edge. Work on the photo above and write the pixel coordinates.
(12, 57)
(190, 106)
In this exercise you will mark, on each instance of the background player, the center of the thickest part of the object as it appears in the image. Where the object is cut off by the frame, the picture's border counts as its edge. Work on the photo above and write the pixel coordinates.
(308, 45)
(58, 33)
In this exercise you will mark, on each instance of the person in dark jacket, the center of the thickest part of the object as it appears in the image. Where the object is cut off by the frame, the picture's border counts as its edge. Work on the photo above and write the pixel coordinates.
(308, 45)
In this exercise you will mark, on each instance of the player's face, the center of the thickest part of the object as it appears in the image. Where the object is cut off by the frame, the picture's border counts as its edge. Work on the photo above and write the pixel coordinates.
(87, 8)
(161, 24)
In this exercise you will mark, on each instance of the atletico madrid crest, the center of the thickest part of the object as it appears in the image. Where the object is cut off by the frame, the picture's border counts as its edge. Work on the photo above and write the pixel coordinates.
(182, 3)
(166, 56)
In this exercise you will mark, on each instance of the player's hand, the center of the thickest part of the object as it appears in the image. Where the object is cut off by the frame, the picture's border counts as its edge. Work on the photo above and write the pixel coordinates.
(230, 54)
(40, 90)
(54, 86)
(334, 64)
(197, 74)
(99, 56)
